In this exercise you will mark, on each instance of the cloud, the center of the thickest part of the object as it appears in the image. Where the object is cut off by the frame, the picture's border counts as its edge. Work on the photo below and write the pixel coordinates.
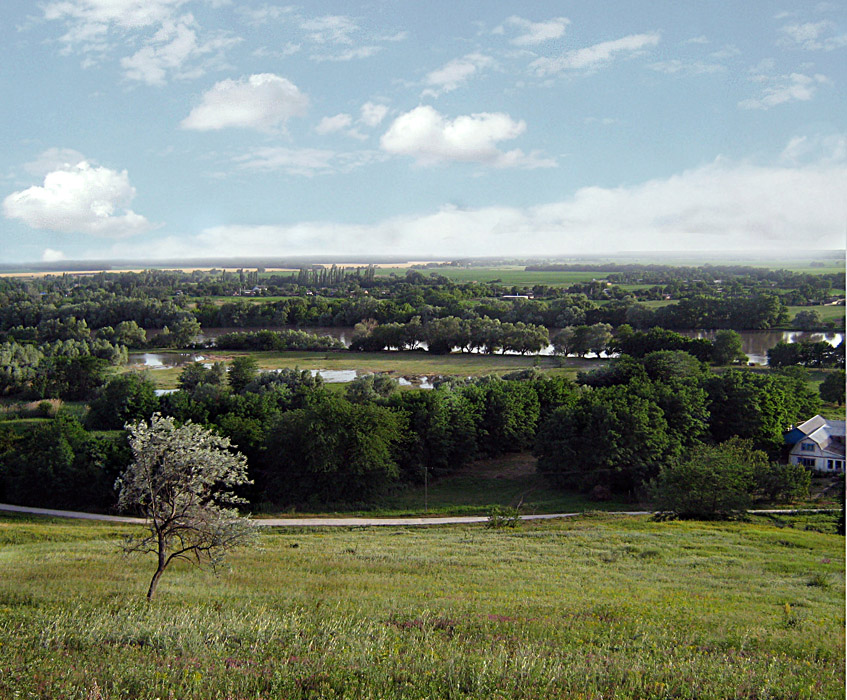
(264, 102)
(596, 55)
(347, 55)
(535, 32)
(782, 89)
(258, 16)
(331, 29)
(812, 36)
(455, 73)
(305, 162)
(329, 125)
(174, 46)
(372, 114)
(88, 18)
(82, 198)
(50, 255)
(723, 205)
(53, 159)
(676, 66)
(819, 148)
(430, 138)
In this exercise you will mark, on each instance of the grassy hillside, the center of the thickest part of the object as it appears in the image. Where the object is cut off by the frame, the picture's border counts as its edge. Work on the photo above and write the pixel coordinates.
(596, 608)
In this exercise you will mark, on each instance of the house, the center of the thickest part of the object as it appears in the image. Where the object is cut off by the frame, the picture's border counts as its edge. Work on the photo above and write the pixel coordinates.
(818, 444)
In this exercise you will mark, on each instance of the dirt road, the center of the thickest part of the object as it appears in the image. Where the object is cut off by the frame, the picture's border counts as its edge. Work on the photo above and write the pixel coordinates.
(306, 522)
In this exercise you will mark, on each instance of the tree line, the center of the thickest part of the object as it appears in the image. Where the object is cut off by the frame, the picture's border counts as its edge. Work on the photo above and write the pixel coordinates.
(611, 432)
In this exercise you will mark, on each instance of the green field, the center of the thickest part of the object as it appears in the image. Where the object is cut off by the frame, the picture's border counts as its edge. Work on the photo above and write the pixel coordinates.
(511, 275)
(597, 607)
(396, 364)
(827, 312)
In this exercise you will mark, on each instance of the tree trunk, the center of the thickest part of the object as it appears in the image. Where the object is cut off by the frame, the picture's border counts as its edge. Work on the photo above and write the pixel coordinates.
(154, 582)
(163, 562)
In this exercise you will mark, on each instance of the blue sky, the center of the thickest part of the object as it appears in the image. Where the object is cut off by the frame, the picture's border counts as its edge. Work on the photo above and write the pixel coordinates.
(196, 128)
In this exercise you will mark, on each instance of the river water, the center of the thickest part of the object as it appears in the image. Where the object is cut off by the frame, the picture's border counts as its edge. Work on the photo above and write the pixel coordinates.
(754, 344)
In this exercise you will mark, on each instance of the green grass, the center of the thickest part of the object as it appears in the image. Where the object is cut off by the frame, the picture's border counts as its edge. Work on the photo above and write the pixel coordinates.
(509, 275)
(397, 364)
(509, 481)
(827, 313)
(598, 607)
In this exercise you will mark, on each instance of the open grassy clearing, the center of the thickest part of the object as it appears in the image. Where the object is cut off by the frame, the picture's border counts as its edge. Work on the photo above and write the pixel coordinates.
(510, 481)
(827, 312)
(396, 364)
(600, 607)
(514, 275)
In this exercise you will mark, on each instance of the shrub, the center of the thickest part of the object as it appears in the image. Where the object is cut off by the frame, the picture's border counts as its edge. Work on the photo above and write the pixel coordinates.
(715, 482)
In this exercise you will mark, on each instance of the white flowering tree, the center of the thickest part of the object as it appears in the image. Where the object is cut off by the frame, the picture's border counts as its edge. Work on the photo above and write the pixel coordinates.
(182, 479)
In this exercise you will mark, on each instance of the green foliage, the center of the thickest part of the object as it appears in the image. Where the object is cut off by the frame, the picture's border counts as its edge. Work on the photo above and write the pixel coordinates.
(782, 482)
(440, 437)
(807, 320)
(758, 406)
(126, 398)
(610, 438)
(832, 387)
(500, 518)
(180, 334)
(242, 370)
(331, 451)
(715, 482)
(195, 373)
(57, 464)
(727, 348)
(370, 387)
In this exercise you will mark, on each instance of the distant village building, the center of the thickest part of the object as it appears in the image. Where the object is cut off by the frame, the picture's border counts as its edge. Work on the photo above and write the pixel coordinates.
(818, 444)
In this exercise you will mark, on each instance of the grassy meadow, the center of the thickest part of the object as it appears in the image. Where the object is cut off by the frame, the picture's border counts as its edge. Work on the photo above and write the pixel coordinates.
(395, 364)
(505, 274)
(598, 607)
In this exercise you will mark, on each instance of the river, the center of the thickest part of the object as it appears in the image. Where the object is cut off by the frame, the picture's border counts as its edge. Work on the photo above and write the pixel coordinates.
(754, 344)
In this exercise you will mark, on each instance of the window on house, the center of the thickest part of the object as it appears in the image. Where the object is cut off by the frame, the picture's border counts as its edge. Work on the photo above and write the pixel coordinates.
(807, 446)
(807, 462)
(829, 464)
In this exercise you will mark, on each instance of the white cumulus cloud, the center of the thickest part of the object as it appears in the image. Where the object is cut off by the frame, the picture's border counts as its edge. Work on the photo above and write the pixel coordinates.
(430, 138)
(53, 159)
(50, 255)
(82, 198)
(264, 101)
(596, 55)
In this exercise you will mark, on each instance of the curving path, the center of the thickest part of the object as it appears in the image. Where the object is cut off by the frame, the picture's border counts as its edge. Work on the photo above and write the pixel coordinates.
(359, 522)
(308, 522)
